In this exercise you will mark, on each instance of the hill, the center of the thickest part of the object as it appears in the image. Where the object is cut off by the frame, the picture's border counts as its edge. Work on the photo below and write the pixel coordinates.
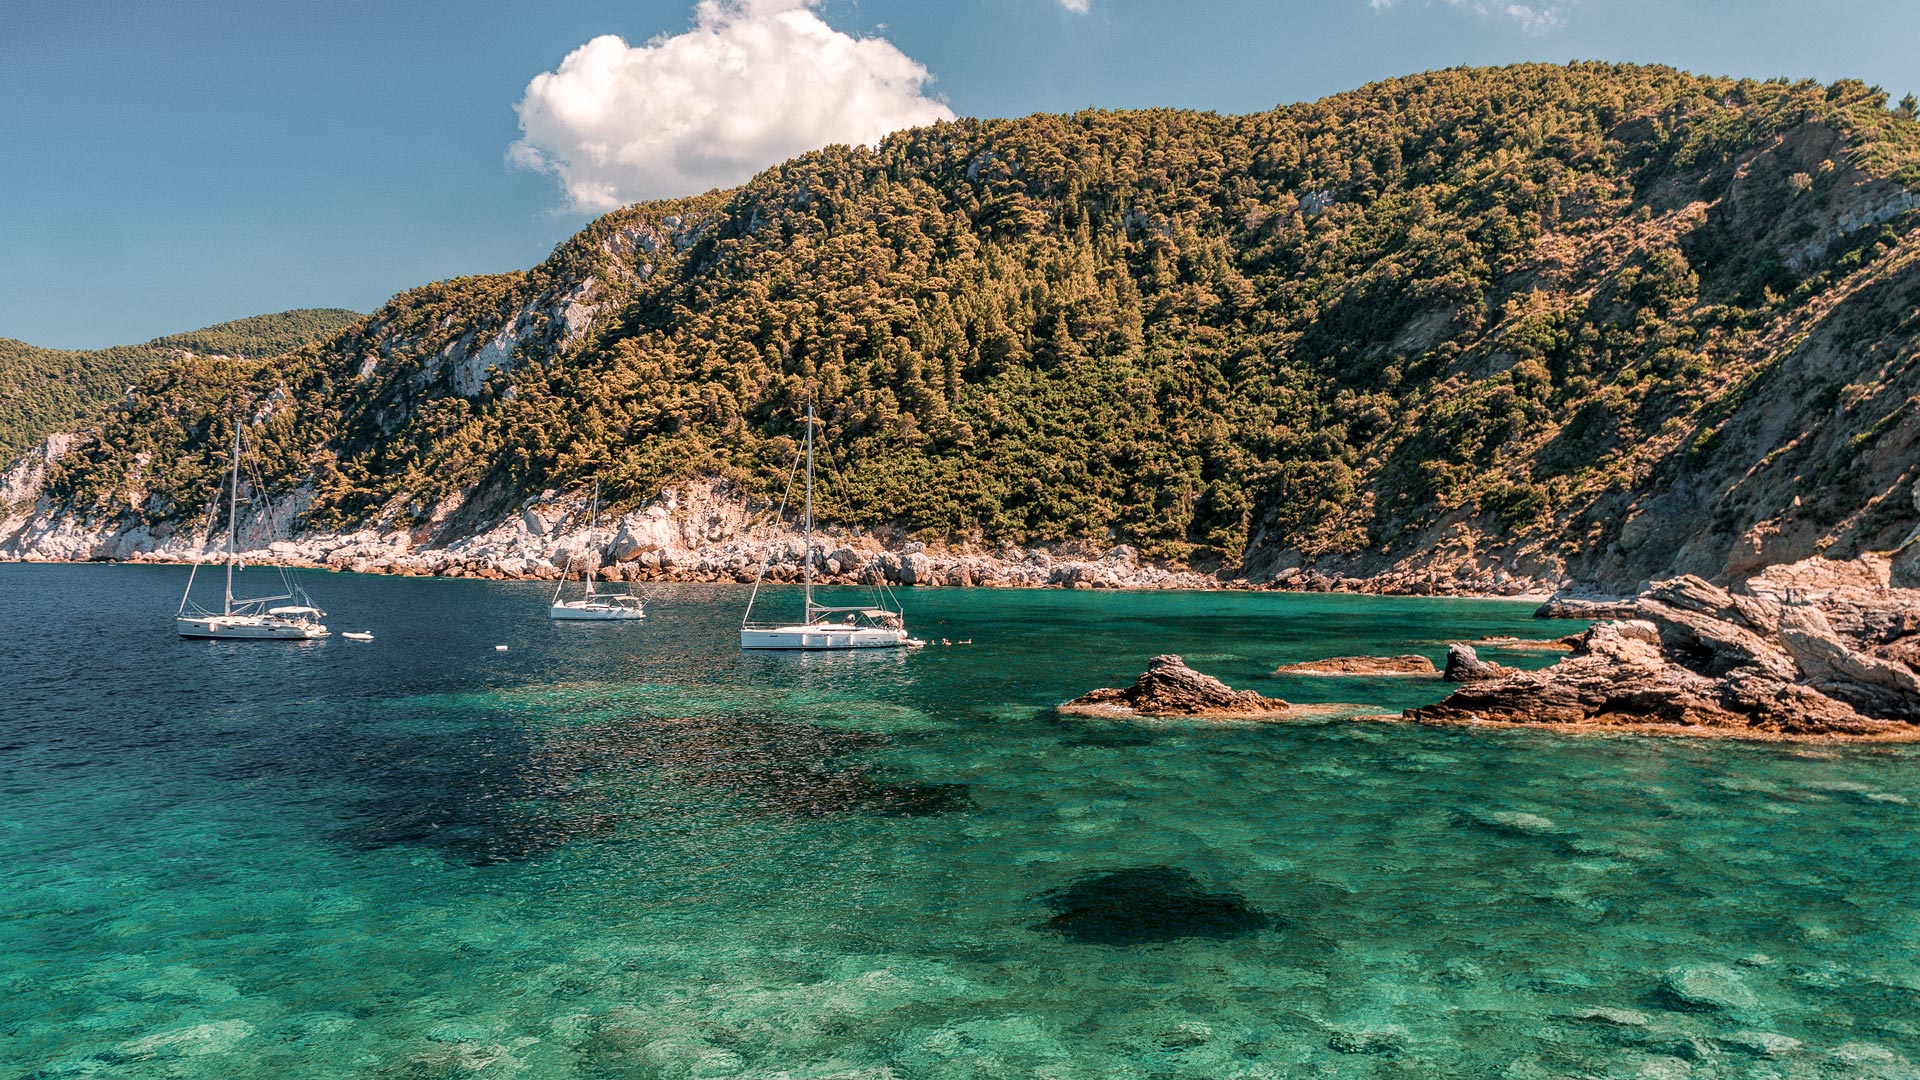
(47, 390)
(1592, 321)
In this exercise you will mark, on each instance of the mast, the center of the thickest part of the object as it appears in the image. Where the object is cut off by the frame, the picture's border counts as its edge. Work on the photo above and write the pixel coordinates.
(233, 519)
(593, 514)
(807, 557)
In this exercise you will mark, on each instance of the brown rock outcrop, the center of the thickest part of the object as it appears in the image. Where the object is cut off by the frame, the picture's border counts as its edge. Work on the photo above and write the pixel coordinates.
(1170, 688)
(1411, 664)
(1815, 648)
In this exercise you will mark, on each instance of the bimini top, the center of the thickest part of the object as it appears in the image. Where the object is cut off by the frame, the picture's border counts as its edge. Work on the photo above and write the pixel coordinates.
(822, 610)
(295, 611)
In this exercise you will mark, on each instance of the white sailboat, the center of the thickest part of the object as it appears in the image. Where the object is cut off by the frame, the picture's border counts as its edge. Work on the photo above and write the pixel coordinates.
(256, 619)
(874, 626)
(594, 605)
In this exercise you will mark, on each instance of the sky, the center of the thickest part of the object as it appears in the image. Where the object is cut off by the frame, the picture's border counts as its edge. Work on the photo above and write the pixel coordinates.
(165, 166)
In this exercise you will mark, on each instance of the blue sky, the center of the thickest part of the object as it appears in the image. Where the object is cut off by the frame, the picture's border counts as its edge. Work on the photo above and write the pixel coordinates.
(168, 165)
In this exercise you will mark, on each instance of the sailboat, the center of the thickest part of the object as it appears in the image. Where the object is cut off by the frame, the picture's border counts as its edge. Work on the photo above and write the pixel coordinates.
(242, 619)
(593, 604)
(874, 626)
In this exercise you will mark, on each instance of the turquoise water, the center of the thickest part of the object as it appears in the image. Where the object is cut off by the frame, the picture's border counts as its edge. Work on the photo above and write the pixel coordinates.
(632, 851)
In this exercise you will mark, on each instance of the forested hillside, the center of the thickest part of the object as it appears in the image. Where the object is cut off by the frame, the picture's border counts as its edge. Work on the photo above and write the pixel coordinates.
(48, 390)
(1601, 320)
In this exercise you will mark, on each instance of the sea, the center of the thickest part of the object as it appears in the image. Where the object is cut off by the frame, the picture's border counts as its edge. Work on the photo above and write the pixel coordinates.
(632, 851)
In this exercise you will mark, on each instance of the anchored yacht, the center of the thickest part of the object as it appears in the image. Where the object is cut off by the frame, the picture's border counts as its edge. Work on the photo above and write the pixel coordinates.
(261, 618)
(866, 626)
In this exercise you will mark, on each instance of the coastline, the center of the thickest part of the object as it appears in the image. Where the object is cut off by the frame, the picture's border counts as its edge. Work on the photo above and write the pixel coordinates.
(965, 571)
(703, 531)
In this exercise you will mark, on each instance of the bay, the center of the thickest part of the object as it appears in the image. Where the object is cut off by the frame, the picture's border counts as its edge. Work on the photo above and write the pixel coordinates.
(631, 850)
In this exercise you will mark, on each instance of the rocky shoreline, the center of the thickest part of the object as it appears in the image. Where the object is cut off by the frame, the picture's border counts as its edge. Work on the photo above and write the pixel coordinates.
(1816, 650)
(702, 532)
(1813, 651)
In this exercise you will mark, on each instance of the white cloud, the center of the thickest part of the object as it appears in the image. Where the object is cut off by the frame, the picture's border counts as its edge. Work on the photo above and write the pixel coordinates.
(1534, 18)
(753, 83)
(1078, 7)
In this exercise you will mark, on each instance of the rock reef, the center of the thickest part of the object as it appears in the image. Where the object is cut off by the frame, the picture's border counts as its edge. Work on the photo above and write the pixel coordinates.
(1411, 664)
(1813, 649)
(1169, 688)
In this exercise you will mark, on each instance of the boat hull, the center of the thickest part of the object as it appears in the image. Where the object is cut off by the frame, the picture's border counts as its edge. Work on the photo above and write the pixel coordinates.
(247, 628)
(822, 638)
(581, 612)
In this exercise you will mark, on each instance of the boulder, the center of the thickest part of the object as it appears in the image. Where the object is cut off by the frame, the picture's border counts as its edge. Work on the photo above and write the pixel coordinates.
(1906, 563)
(1464, 665)
(916, 569)
(1877, 686)
(1170, 688)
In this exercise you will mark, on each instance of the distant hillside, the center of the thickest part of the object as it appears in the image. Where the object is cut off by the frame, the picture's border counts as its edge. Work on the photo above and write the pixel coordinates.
(1597, 320)
(48, 390)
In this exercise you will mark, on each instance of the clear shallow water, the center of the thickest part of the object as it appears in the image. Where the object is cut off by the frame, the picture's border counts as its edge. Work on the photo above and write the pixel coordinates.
(632, 851)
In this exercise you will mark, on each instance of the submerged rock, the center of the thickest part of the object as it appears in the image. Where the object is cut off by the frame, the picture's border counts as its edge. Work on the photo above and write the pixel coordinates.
(1170, 688)
(1382, 1040)
(1145, 904)
(1604, 1014)
(1817, 648)
(1709, 986)
(1411, 664)
(1761, 1043)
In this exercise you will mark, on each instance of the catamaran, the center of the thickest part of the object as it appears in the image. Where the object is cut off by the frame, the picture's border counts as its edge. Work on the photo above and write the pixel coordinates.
(593, 604)
(873, 626)
(259, 618)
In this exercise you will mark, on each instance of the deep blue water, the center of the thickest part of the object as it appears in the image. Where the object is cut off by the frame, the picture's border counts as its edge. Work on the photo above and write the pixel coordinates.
(633, 851)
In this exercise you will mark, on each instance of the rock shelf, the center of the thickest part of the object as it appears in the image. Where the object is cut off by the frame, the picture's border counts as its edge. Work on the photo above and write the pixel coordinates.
(1817, 649)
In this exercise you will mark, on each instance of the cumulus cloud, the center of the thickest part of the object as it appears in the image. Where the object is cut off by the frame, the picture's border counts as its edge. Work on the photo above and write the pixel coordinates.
(1078, 7)
(752, 83)
(1534, 18)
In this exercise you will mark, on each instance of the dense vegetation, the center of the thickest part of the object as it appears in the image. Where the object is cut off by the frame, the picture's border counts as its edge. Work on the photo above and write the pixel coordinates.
(48, 390)
(1509, 300)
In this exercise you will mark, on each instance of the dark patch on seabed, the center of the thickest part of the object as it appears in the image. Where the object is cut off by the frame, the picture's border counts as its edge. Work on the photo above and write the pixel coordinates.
(481, 798)
(806, 792)
(1145, 904)
(773, 767)
(493, 796)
